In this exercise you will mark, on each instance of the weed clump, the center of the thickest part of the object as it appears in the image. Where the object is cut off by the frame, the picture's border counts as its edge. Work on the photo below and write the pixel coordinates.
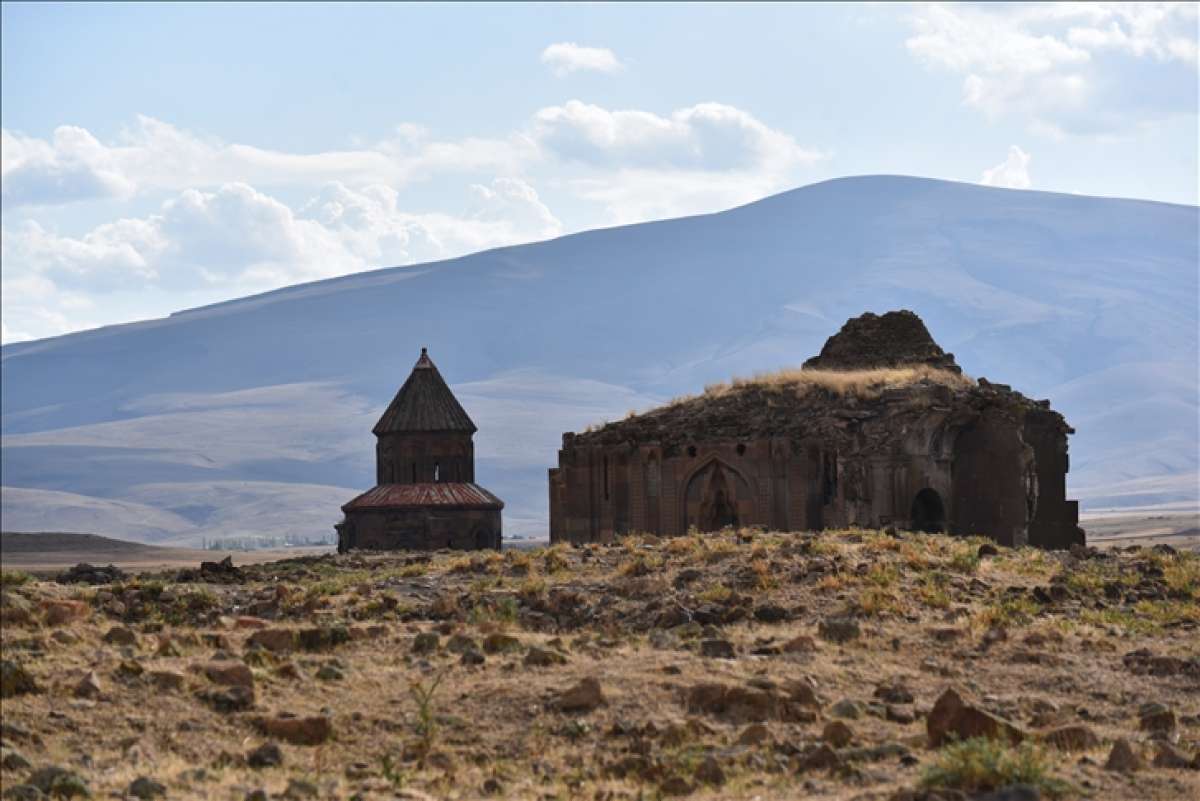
(982, 764)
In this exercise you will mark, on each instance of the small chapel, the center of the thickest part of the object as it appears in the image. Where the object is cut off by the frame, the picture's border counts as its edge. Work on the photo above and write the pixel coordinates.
(425, 496)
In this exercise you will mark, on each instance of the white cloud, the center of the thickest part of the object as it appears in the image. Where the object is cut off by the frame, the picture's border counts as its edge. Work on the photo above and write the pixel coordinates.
(1012, 173)
(563, 58)
(240, 237)
(72, 166)
(155, 155)
(1057, 64)
(707, 136)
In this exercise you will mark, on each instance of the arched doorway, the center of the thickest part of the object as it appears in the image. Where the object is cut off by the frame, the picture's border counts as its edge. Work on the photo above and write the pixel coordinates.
(928, 513)
(715, 497)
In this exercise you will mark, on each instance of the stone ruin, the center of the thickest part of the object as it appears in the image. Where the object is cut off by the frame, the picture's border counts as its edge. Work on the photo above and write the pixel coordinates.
(425, 496)
(881, 429)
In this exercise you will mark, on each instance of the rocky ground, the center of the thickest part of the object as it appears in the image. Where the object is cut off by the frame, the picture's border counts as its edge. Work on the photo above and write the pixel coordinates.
(742, 665)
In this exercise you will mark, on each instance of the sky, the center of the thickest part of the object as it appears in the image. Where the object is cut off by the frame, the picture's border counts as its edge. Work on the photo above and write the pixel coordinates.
(161, 157)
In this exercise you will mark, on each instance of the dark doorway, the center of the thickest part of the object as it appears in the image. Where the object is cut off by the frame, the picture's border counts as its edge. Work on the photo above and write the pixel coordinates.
(716, 509)
(927, 513)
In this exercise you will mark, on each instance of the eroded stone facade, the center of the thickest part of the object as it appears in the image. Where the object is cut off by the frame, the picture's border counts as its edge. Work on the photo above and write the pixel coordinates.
(939, 453)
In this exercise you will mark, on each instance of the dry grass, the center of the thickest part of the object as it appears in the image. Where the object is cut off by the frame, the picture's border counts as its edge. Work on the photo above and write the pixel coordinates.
(430, 724)
(859, 383)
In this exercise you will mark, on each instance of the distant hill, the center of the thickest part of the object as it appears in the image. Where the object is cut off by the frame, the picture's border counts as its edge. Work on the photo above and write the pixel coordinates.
(14, 542)
(254, 416)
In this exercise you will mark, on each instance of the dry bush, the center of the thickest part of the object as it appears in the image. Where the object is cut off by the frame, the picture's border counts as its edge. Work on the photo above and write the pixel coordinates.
(859, 383)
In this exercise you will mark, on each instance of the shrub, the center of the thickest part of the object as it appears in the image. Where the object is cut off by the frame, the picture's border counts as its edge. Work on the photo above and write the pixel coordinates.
(14, 578)
(982, 764)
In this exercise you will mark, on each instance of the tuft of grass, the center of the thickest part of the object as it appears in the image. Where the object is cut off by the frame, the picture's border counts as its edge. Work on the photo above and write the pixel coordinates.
(715, 593)
(1182, 574)
(1007, 612)
(875, 601)
(764, 577)
(932, 592)
(982, 764)
(14, 578)
(554, 559)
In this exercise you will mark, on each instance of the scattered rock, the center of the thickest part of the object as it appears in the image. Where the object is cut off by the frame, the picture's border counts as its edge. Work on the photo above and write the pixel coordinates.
(1076, 737)
(987, 549)
(717, 649)
(230, 699)
(952, 717)
(771, 613)
(312, 730)
(894, 692)
(267, 755)
(543, 657)
(120, 635)
(146, 788)
(275, 640)
(744, 704)
(15, 680)
(846, 708)
(839, 629)
(822, 757)
(1155, 717)
(473, 657)
(901, 714)
(322, 638)
(425, 643)
(88, 686)
(837, 733)
(167, 679)
(500, 643)
(687, 576)
(1123, 758)
(229, 674)
(583, 697)
(1168, 756)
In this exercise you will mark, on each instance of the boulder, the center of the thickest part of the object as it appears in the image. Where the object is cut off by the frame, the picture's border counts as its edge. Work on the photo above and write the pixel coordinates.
(15, 680)
(953, 717)
(1123, 758)
(312, 730)
(582, 697)
(229, 674)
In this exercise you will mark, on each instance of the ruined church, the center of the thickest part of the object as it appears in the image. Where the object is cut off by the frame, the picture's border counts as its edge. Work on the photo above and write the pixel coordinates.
(881, 429)
(425, 496)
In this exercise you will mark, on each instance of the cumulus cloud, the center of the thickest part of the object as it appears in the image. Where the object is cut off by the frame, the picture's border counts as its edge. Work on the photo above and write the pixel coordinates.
(241, 237)
(709, 136)
(155, 155)
(72, 166)
(1058, 65)
(563, 58)
(1012, 173)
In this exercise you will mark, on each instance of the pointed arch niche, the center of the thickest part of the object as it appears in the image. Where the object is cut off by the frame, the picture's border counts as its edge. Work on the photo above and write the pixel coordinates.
(717, 497)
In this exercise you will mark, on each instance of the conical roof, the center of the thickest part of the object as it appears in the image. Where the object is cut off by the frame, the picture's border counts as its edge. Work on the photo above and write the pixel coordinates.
(424, 403)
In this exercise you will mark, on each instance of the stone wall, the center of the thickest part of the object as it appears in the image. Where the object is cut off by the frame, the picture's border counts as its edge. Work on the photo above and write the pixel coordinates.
(420, 529)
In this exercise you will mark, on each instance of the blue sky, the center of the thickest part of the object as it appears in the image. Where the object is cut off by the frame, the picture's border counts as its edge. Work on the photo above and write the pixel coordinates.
(157, 157)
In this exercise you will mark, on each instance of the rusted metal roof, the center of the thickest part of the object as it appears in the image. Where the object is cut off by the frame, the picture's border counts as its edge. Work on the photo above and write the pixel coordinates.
(424, 403)
(441, 495)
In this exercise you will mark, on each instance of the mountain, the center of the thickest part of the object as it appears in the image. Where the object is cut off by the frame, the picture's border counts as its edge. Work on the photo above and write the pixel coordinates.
(254, 416)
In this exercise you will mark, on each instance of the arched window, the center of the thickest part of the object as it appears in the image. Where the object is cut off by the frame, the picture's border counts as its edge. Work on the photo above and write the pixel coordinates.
(437, 471)
(414, 472)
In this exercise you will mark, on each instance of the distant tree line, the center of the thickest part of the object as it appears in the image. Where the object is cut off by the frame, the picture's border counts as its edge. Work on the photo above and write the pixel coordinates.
(257, 543)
